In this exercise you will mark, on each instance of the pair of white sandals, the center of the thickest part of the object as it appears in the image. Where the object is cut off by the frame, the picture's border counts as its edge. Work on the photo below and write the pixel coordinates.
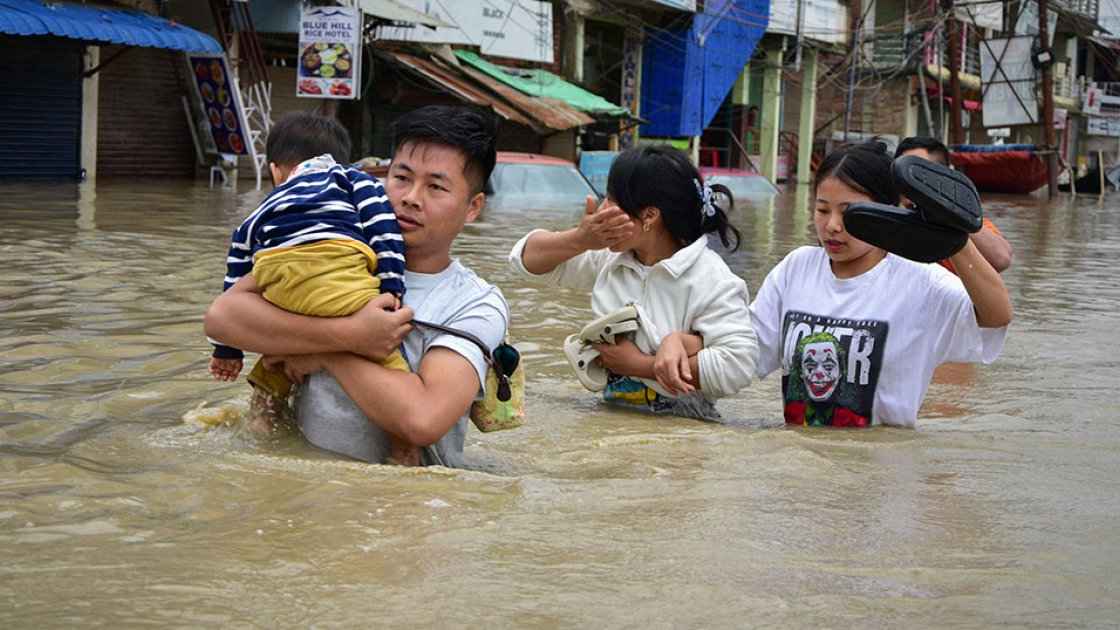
(581, 354)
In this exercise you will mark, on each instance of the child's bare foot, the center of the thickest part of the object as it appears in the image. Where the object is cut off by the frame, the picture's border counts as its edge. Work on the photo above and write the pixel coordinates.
(403, 454)
(225, 369)
(266, 412)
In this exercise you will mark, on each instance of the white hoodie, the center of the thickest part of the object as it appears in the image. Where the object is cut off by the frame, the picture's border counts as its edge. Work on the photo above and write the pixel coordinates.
(692, 291)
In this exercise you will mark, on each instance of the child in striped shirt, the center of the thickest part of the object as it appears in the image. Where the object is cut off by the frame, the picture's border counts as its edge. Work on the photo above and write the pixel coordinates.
(324, 242)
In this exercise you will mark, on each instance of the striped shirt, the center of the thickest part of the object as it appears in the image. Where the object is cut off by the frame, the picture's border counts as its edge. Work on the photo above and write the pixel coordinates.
(322, 200)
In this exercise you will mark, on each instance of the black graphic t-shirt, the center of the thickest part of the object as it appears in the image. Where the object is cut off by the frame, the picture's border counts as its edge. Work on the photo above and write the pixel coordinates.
(834, 369)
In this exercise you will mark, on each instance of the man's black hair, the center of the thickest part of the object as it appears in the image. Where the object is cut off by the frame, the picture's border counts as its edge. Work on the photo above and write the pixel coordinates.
(470, 130)
(299, 136)
(932, 145)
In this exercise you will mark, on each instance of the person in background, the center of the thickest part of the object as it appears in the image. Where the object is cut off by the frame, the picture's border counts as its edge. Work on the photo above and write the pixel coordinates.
(989, 240)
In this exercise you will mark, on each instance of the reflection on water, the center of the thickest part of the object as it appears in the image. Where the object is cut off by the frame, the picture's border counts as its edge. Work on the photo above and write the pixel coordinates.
(998, 509)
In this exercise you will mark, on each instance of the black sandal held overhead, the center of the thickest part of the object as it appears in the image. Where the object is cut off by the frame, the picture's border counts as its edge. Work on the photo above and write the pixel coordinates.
(945, 197)
(946, 208)
(902, 231)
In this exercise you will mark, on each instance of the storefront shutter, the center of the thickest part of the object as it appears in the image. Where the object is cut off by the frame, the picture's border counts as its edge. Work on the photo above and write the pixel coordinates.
(40, 108)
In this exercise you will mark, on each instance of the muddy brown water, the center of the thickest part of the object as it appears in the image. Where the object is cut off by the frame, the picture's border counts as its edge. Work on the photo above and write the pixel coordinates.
(1000, 508)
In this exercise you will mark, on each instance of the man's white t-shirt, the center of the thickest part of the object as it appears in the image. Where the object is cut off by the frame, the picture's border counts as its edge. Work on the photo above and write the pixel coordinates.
(862, 350)
(456, 298)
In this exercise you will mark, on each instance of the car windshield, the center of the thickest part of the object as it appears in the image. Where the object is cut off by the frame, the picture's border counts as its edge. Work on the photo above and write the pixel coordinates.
(544, 180)
(745, 187)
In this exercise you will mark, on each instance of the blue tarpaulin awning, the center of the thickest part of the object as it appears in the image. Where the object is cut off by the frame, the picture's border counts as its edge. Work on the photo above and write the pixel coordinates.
(688, 72)
(100, 24)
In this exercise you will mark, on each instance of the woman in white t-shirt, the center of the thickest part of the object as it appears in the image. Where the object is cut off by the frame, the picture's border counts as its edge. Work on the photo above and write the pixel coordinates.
(856, 331)
(646, 245)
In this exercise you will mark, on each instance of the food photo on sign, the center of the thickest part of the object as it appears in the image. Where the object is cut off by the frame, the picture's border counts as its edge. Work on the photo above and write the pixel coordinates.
(221, 103)
(329, 52)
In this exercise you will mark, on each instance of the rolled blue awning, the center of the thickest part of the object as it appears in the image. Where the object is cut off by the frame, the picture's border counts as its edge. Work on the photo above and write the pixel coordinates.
(85, 22)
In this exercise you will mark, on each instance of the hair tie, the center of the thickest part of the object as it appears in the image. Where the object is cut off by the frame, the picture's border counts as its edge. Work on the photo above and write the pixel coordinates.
(704, 191)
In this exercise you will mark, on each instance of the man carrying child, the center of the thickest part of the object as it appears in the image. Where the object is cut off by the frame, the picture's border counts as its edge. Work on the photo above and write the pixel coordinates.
(353, 402)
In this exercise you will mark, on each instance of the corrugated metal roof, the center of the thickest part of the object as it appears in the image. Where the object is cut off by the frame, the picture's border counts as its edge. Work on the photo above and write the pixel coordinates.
(551, 112)
(100, 24)
(543, 115)
(544, 84)
(447, 80)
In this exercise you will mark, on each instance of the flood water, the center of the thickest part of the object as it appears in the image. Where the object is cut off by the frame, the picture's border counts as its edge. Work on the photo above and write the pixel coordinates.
(1000, 508)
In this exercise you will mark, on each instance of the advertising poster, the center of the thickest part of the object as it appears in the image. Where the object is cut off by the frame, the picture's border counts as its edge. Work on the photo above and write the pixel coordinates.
(329, 52)
(518, 29)
(222, 103)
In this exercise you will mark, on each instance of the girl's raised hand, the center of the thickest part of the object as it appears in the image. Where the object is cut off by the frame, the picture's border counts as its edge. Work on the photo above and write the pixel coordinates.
(604, 225)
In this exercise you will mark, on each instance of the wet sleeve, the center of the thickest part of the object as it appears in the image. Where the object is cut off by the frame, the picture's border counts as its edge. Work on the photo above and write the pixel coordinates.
(959, 338)
(766, 319)
(728, 360)
(578, 273)
(487, 319)
(381, 230)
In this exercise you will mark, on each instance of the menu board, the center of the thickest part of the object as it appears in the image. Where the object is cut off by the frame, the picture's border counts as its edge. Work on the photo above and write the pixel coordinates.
(222, 103)
(329, 52)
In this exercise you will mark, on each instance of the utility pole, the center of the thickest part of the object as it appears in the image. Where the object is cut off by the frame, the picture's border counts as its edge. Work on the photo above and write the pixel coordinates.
(1047, 122)
(956, 133)
(853, 65)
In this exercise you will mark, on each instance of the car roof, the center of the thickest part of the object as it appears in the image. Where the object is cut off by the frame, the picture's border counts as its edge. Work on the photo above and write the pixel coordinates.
(513, 157)
(708, 171)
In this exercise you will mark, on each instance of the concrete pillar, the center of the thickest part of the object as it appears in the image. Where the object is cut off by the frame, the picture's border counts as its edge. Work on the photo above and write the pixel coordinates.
(561, 144)
(770, 122)
(574, 25)
(91, 90)
(808, 114)
(631, 94)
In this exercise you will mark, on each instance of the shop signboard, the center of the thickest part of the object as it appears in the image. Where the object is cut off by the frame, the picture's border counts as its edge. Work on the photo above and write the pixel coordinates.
(221, 101)
(1098, 126)
(330, 52)
(1009, 82)
(517, 29)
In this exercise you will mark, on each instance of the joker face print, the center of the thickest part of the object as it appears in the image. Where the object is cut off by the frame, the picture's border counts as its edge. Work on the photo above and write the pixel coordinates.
(820, 369)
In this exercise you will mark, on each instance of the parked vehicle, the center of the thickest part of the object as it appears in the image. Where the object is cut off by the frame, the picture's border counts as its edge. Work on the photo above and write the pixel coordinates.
(523, 181)
(745, 186)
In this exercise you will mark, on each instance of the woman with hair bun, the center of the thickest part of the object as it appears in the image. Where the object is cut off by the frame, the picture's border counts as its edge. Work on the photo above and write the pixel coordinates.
(857, 331)
(643, 253)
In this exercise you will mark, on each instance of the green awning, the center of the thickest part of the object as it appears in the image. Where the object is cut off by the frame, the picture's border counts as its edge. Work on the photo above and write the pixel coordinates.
(544, 84)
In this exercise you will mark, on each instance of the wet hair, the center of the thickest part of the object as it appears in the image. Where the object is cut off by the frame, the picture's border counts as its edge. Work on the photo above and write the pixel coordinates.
(299, 136)
(933, 146)
(664, 178)
(864, 167)
(470, 130)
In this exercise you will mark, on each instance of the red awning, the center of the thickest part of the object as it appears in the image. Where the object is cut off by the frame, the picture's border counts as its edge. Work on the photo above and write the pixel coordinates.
(972, 106)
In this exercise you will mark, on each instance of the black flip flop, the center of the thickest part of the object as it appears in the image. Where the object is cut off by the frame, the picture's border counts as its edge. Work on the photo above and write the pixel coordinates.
(902, 231)
(945, 197)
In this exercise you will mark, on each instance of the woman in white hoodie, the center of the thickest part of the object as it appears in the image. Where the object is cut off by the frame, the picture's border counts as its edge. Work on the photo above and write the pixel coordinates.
(647, 245)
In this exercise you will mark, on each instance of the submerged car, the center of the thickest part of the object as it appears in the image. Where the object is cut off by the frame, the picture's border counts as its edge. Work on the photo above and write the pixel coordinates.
(530, 181)
(745, 186)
